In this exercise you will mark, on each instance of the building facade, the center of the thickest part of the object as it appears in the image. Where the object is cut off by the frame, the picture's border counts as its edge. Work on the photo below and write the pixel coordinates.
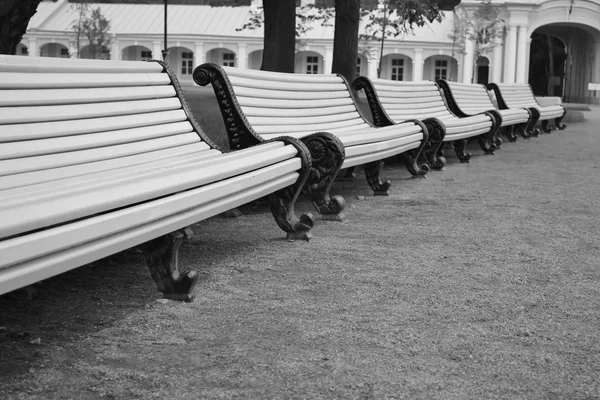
(552, 44)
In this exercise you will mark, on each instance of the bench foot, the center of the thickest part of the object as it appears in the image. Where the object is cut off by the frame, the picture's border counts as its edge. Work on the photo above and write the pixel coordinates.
(372, 171)
(161, 257)
(300, 235)
(545, 127)
(487, 143)
(510, 134)
(459, 149)
(560, 126)
(327, 153)
(434, 155)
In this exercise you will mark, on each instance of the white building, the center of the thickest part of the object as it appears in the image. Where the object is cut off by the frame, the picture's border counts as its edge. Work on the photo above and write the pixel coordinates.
(198, 34)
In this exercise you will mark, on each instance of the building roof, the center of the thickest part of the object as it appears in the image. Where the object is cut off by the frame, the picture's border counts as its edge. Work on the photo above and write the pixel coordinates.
(190, 20)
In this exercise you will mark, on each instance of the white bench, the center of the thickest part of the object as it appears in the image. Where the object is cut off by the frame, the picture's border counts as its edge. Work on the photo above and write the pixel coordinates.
(392, 102)
(320, 110)
(471, 99)
(100, 156)
(519, 95)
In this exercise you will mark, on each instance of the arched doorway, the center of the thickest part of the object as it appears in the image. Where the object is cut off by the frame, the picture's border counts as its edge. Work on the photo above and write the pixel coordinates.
(482, 70)
(564, 60)
(95, 52)
(547, 64)
(137, 53)
(56, 50)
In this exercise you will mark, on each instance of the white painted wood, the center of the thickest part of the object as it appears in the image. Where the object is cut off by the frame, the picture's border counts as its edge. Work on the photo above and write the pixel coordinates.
(48, 176)
(19, 115)
(40, 130)
(24, 80)
(45, 65)
(280, 76)
(290, 86)
(369, 157)
(31, 148)
(56, 263)
(294, 104)
(38, 97)
(307, 119)
(22, 165)
(285, 95)
(267, 113)
(308, 128)
(78, 202)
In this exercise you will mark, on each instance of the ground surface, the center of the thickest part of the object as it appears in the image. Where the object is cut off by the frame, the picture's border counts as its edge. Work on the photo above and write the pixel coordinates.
(481, 281)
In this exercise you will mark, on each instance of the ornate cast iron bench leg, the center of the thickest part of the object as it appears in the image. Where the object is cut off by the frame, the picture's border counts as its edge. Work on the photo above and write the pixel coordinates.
(327, 153)
(560, 126)
(161, 257)
(372, 171)
(433, 153)
(459, 148)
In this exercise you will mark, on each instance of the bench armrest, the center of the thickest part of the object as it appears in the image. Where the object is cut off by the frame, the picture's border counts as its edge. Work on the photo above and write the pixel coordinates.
(380, 117)
(239, 131)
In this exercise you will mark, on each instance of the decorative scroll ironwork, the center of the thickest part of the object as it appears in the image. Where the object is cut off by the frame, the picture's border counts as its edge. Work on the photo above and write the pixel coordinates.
(487, 140)
(459, 148)
(412, 157)
(327, 153)
(282, 202)
(240, 133)
(535, 117)
(161, 257)
(372, 171)
(560, 126)
(449, 98)
(433, 152)
(186, 107)
(380, 117)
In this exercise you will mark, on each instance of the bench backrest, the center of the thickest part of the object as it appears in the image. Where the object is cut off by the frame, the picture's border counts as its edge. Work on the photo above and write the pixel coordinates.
(411, 100)
(64, 117)
(470, 98)
(278, 104)
(516, 95)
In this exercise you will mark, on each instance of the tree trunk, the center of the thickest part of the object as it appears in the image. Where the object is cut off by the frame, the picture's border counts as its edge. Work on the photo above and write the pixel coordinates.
(345, 40)
(280, 35)
(14, 23)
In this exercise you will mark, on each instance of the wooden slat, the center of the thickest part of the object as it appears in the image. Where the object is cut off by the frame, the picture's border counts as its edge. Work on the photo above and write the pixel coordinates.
(199, 149)
(374, 135)
(92, 199)
(19, 80)
(93, 238)
(298, 112)
(40, 130)
(283, 95)
(308, 128)
(31, 148)
(307, 120)
(342, 99)
(22, 165)
(128, 167)
(45, 65)
(308, 85)
(19, 115)
(37, 97)
(280, 76)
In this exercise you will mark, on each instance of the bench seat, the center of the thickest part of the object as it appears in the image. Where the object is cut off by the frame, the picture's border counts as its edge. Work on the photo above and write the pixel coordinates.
(321, 111)
(100, 156)
(392, 102)
(472, 99)
(520, 95)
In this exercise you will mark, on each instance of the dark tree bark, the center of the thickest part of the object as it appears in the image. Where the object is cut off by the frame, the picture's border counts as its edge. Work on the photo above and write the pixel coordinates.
(345, 40)
(280, 35)
(13, 23)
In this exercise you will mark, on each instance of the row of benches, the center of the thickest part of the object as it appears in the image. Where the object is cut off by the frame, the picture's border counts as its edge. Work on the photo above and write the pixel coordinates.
(100, 156)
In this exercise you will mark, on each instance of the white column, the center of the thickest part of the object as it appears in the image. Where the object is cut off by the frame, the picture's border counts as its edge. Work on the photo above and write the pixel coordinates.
(418, 65)
(372, 61)
(115, 52)
(328, 60)
(242, 56)
(497, 64)
(199, 54)
(157, 50)
(521, 54)
(33, 49)
(509, 55)
(468, 60)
